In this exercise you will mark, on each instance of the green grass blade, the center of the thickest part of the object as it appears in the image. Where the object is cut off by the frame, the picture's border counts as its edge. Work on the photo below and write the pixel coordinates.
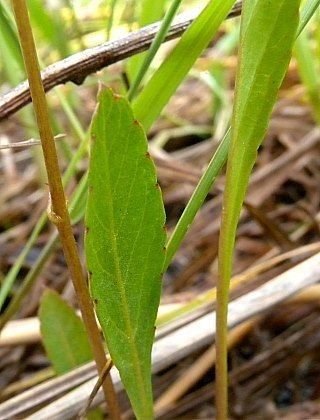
(268, 30)
(113, 4)
(125, 244)
(207, 180)
(77, 207)
(154, 47)
(307, 12)
(164, 82)
(149, 11)
(215, 165)
(63, 334)
(309, 71)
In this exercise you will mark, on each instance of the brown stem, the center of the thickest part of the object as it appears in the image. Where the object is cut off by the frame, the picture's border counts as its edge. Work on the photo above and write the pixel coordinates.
(58, 212)
(78, 66)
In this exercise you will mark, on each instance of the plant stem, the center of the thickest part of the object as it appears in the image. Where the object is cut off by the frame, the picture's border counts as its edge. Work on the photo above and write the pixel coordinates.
(58, 212)
(76, 214)
(156, 43)
(213, 169)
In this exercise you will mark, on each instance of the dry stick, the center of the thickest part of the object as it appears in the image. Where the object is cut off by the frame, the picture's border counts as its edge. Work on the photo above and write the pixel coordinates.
(58, 211)
(78, 66)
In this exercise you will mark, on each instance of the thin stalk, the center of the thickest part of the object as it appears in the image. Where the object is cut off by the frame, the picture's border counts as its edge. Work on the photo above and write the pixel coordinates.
(156, 43)
(12, 274)
(215, 165)
(58, 211)
(76, 212)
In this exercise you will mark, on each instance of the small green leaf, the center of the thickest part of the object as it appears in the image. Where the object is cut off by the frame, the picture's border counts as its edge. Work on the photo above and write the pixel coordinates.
(63, 334)
(125, 243)
(268, 31)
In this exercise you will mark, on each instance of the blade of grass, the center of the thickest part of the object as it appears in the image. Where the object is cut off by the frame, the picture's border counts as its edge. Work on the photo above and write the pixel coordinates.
(309, 71)
(58, 212)
(113, 4)
(77, 207)
(10, 278)
(164, 82)
(268, 30)
(165, 26)
(149, 11)
(307, 12)
(205, 184)
(201, 191)
(6, 286)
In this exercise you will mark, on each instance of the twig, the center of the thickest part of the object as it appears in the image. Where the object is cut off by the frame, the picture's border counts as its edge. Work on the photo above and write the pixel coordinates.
(58, 212)
(78, 66)
(27, 143)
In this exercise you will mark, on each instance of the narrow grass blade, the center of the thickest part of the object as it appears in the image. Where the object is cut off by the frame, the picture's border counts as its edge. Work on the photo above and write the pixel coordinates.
(113, 4)
(215, 165)
(207, 180)
(164, 82)
(154, 47)
(309, 71)
(125, 244)
(149, 11)
(307, 12)
(63, 334)
(268, 30)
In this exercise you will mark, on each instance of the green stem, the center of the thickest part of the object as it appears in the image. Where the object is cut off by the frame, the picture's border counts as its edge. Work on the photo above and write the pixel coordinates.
(205, 184)
(10, 278)
(165, 26)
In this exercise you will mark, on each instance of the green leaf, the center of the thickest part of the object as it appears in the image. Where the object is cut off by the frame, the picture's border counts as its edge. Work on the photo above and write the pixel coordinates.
(125, 243)
(63, 334)
(164, 82)
(309, 71)
(268, 30)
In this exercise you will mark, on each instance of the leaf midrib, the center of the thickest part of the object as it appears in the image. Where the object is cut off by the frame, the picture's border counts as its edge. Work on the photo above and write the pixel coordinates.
(119, 281)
